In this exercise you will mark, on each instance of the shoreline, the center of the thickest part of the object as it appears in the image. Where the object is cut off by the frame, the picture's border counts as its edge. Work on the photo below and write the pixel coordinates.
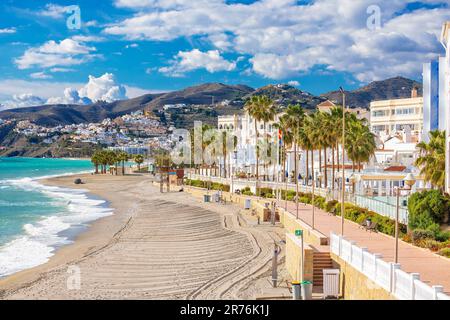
(94, 236)
(169, 246)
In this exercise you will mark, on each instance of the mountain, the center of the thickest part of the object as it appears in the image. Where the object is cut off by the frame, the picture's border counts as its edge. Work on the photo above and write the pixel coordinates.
(394, 88)
(205, 94)
(53, 115)
(208, 97)
(285, 95)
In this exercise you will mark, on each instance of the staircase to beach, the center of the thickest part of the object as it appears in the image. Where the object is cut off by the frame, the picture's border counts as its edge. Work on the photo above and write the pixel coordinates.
(321, 260)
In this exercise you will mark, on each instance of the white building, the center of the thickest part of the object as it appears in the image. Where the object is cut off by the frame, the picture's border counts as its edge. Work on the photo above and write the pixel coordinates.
(243, 127)
(392, 117)
(444, 100)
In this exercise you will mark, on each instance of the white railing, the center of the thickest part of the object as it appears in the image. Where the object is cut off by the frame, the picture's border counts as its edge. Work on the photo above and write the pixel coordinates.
(383, 274)
(403, 285)
(389, 276)
(334, 244)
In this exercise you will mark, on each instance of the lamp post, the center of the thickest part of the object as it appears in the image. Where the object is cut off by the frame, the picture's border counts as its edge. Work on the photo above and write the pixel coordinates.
(343, 162)
(319, 176)
(352, 180)
(409, 181)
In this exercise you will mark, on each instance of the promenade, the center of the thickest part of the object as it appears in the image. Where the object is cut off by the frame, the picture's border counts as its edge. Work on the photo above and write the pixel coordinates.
(433, 269)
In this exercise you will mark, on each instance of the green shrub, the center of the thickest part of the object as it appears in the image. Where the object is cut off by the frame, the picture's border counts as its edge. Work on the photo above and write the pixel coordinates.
(247, 193)
(330, 205)
(431, 244)
(443, 236)
(319, 202)
(266, 192)
(421, 234)
(304, 200)
(445, 252)
(427, 210)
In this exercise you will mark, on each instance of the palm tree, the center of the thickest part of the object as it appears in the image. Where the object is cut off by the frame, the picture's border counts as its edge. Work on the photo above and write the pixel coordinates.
(139, 159)
(260, 109)
(286, 132)
(123, 157)
(335, 130)
(432, 159)
(269, 112)
(96, 160)
(305, 144)
(103, 160)
(360, 142)
(294, 119)
(311, 135)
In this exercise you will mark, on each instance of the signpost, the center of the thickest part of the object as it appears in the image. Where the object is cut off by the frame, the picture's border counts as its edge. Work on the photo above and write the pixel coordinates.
(299, 233)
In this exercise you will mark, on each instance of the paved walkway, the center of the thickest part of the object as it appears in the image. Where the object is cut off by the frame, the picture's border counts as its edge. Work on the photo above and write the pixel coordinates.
(433, 269)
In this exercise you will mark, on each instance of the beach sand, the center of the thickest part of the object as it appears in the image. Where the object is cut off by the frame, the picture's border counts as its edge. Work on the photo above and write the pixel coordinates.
(155, 246)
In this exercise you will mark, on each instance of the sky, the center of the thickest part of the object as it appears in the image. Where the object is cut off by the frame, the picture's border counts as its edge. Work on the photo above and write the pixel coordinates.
(84, 51)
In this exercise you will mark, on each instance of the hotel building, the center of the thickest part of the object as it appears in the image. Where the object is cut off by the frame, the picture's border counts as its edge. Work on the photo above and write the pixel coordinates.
(395, 117)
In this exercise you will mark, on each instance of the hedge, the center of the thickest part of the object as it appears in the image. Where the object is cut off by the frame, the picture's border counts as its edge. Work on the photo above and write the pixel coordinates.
(204, 185)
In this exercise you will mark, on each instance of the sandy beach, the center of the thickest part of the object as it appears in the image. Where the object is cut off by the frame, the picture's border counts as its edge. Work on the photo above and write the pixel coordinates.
(155, 246)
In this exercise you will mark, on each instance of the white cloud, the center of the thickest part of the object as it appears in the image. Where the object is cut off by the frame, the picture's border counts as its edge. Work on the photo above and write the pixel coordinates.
(84, 38)
(285, 39)
(91, 23)
(53, 11)
(22, 101)
(67, 52)
(54, 70)
(103, 88)
(8, 30)
(133, 45)
(71, 96)
(293, 83)
(40, 75)
(186, 61)
(45, 92)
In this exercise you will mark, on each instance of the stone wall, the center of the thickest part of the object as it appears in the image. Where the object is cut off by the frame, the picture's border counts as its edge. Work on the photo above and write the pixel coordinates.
(356, 286)
(293, 259)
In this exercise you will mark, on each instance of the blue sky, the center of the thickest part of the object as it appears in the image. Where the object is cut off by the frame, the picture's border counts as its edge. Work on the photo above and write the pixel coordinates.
(159, 45)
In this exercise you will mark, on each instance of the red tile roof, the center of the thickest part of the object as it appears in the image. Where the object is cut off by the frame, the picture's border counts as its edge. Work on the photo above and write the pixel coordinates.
(395, 168)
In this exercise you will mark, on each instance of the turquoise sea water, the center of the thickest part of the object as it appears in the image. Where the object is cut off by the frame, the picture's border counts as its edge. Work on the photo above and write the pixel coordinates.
(36, 219)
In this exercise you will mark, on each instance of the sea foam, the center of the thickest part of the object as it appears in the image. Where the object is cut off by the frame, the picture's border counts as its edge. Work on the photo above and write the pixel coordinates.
(39, 240)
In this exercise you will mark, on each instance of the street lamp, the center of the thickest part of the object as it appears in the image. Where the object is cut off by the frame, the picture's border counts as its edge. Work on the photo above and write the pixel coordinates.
(319, 176)
(352, 180)
(409, 181)
(343, 162)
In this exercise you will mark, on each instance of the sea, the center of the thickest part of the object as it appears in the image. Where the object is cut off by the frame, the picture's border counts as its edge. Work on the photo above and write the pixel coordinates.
(36, 220)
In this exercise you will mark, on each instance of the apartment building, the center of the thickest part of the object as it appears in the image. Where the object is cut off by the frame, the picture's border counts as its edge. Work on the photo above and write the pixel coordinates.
(392, 117)
(361, 113)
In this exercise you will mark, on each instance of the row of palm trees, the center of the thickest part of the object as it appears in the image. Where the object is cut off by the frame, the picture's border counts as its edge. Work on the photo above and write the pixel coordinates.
(320, 132)
(103, 158)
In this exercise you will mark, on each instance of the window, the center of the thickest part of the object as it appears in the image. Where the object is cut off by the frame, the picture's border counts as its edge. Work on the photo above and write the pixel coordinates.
(379, 113)
(404, 111)
(378, 128)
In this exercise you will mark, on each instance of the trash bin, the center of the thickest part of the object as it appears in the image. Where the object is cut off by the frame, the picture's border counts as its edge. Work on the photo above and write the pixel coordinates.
(296, 290)
(207, 198)
(248, 204)
(307, 287)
